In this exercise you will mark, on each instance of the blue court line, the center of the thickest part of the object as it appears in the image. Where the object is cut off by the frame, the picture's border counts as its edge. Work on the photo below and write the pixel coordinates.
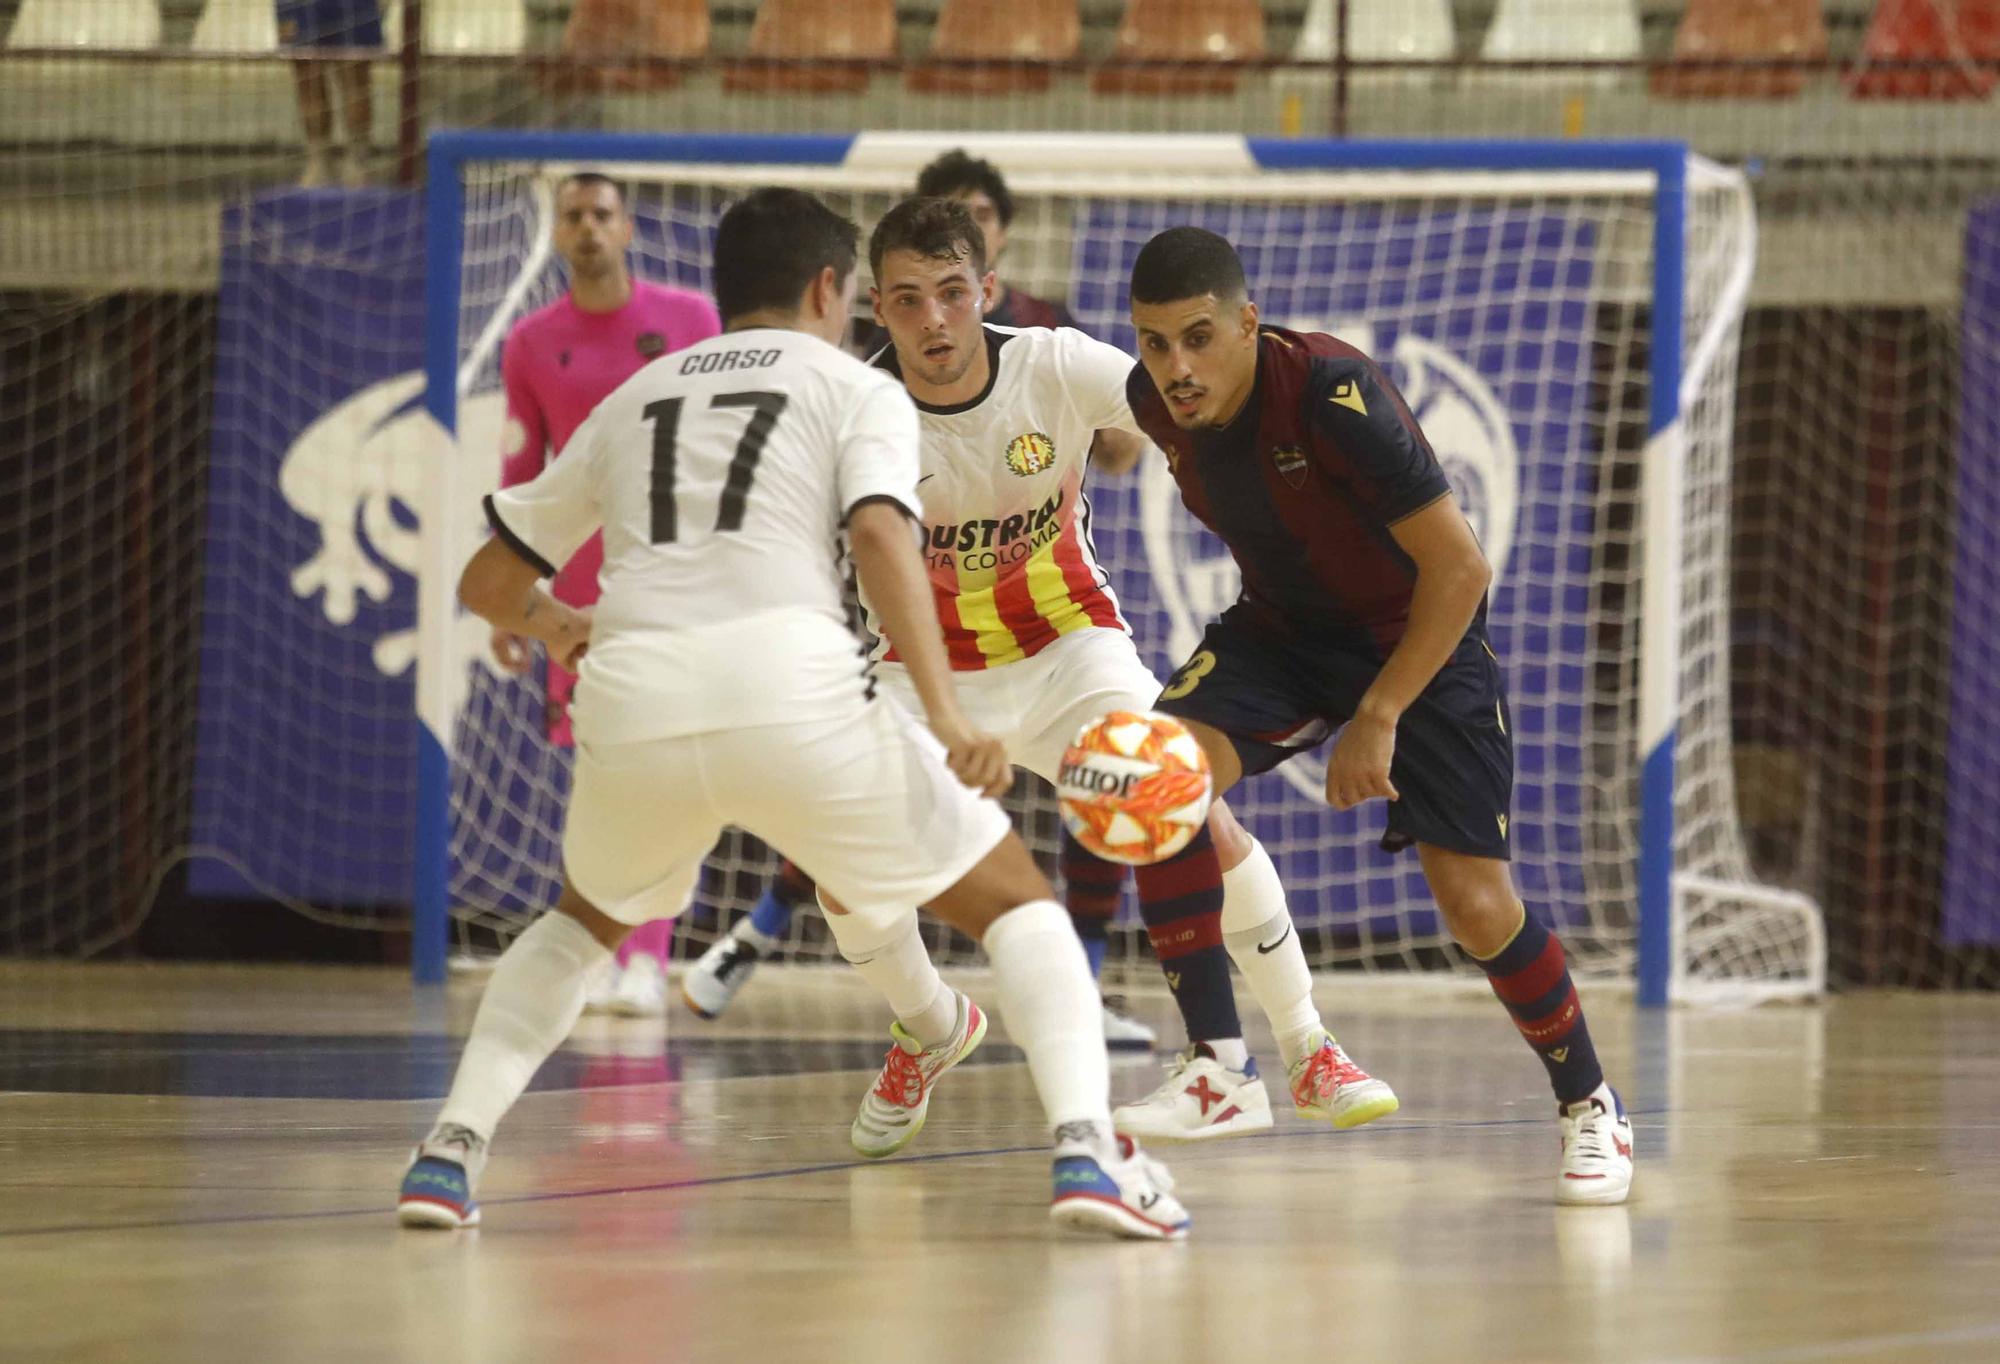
(385, 1209)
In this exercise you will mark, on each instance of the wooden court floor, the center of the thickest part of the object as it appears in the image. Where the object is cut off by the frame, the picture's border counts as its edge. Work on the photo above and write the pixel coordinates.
(198, 1164)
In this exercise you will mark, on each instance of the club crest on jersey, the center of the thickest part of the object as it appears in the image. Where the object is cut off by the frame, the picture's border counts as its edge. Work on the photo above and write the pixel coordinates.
(1291, 462)
(652, 345)
(1031, 454)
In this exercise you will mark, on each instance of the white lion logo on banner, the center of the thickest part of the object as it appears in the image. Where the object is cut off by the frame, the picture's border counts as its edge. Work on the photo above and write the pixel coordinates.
(1467, 427)
(350, 471)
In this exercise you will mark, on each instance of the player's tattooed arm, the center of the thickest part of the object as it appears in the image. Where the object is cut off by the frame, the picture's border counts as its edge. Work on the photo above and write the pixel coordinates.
(503, 588)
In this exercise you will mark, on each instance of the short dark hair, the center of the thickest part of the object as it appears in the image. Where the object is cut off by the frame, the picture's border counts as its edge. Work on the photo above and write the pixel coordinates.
(1187, 262)
(936, 229)
(590, 180)
(771, 244)
(959, 172)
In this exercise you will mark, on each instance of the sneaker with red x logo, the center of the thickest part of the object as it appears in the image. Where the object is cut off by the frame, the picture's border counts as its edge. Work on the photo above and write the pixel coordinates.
(893, 1112)
(1327, 1085)
(1597, 1149)
(1202, 1098)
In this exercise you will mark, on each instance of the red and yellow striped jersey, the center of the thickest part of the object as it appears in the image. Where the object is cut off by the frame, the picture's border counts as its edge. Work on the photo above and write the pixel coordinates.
(1006, 524)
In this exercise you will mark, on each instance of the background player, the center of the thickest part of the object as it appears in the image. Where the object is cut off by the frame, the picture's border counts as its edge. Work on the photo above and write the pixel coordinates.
(1364, 611)
(1035, 636)
(720, 656)
(558, 363)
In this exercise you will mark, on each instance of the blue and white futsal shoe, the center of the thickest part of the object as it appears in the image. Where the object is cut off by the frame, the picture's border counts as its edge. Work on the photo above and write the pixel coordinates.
(1128, 1194)
(437, 1188)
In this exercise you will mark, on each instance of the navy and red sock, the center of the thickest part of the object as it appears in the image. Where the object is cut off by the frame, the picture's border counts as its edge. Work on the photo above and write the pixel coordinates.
(1531, 977)
(1091, 891)
(1181, 902)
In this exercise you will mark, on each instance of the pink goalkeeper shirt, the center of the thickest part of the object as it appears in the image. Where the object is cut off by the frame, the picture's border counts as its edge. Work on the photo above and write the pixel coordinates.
(561, 362)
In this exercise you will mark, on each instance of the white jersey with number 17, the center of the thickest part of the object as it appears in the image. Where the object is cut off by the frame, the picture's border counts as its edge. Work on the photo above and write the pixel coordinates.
(722, 476)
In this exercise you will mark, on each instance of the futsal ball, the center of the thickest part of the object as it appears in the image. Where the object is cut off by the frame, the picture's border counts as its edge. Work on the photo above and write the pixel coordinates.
(1134, 788)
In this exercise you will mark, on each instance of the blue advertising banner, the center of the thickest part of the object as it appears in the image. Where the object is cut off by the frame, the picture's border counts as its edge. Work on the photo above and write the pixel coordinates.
(1483, 317)
(306, 732)
(1972, 803)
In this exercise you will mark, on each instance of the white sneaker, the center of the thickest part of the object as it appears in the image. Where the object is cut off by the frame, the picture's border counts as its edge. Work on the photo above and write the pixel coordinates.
(1129, 1195)
(1597, 1150)
(1326, 1084)
(1122, 1032)
(894, 1110)
(721, 971)
(641, 991)
(1202, 1098)
(437, 1186)
(601, 987)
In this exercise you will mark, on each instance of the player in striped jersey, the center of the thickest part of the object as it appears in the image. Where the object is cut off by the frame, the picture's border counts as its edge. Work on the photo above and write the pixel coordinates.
(1033, 631)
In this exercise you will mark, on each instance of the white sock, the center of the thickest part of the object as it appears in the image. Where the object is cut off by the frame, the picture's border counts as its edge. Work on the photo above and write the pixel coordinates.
(529, 1007)
(1254, 918)
(1233, 1052)
(902, 973)
(1053, 1014)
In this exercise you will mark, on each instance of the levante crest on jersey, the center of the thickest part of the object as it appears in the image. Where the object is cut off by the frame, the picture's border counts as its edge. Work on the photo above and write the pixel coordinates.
(1031, 454)
(1291, 462)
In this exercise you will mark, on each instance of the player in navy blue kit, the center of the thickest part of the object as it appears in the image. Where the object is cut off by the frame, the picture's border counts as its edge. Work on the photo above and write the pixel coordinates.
(1363, 612)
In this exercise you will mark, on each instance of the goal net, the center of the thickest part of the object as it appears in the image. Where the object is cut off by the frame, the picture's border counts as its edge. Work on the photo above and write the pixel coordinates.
(1563, 320)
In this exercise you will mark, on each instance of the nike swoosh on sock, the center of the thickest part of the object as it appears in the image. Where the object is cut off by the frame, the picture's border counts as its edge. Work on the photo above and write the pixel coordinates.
(1264, 949)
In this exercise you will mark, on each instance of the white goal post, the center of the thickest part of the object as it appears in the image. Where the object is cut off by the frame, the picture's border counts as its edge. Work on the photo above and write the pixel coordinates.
(1563, 318)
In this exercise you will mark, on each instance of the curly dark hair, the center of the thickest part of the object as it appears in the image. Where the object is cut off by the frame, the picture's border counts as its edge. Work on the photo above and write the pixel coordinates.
(936, 229)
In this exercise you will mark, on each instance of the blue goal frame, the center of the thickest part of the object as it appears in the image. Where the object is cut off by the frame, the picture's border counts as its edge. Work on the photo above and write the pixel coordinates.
(1667, 162)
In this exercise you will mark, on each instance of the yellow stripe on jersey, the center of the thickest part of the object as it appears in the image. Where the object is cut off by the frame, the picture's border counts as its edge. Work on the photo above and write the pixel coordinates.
(980, 613)
(1050, 591)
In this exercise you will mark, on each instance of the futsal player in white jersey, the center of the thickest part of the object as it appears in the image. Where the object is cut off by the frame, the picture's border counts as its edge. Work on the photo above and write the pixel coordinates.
(1039, 648)
(719, 683)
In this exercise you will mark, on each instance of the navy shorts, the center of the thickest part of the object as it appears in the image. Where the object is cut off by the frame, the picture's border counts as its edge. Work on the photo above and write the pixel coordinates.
(329, 23)
(1275, 697)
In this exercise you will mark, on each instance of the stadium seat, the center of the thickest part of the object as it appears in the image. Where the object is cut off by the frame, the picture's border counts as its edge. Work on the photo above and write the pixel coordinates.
(1743, 29)
(855, 30)
(115, 24)
(1196, 32)
(1563, 30)
(1953, 33)
(1002, 32)
(637, 28)
(1413, 30)
(236, 26)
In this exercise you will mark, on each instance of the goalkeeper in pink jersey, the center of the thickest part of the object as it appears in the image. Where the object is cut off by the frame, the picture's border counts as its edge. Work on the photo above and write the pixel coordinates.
(558, 364)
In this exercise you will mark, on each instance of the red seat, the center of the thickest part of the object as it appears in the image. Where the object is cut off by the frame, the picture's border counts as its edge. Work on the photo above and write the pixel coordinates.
(1195, 32)
(1743, 29)
(1000, 34)
(1953, 33)
(851, 30)
(610, 29)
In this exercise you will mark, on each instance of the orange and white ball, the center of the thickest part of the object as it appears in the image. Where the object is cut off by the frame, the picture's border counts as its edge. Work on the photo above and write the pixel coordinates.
(1134, 787)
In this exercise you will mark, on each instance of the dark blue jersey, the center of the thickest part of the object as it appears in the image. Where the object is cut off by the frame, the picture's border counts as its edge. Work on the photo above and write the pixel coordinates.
(1303, 486)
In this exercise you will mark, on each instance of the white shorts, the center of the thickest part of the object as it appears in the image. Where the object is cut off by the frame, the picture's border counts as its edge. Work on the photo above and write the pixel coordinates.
(1036, 705)
(863, 803)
